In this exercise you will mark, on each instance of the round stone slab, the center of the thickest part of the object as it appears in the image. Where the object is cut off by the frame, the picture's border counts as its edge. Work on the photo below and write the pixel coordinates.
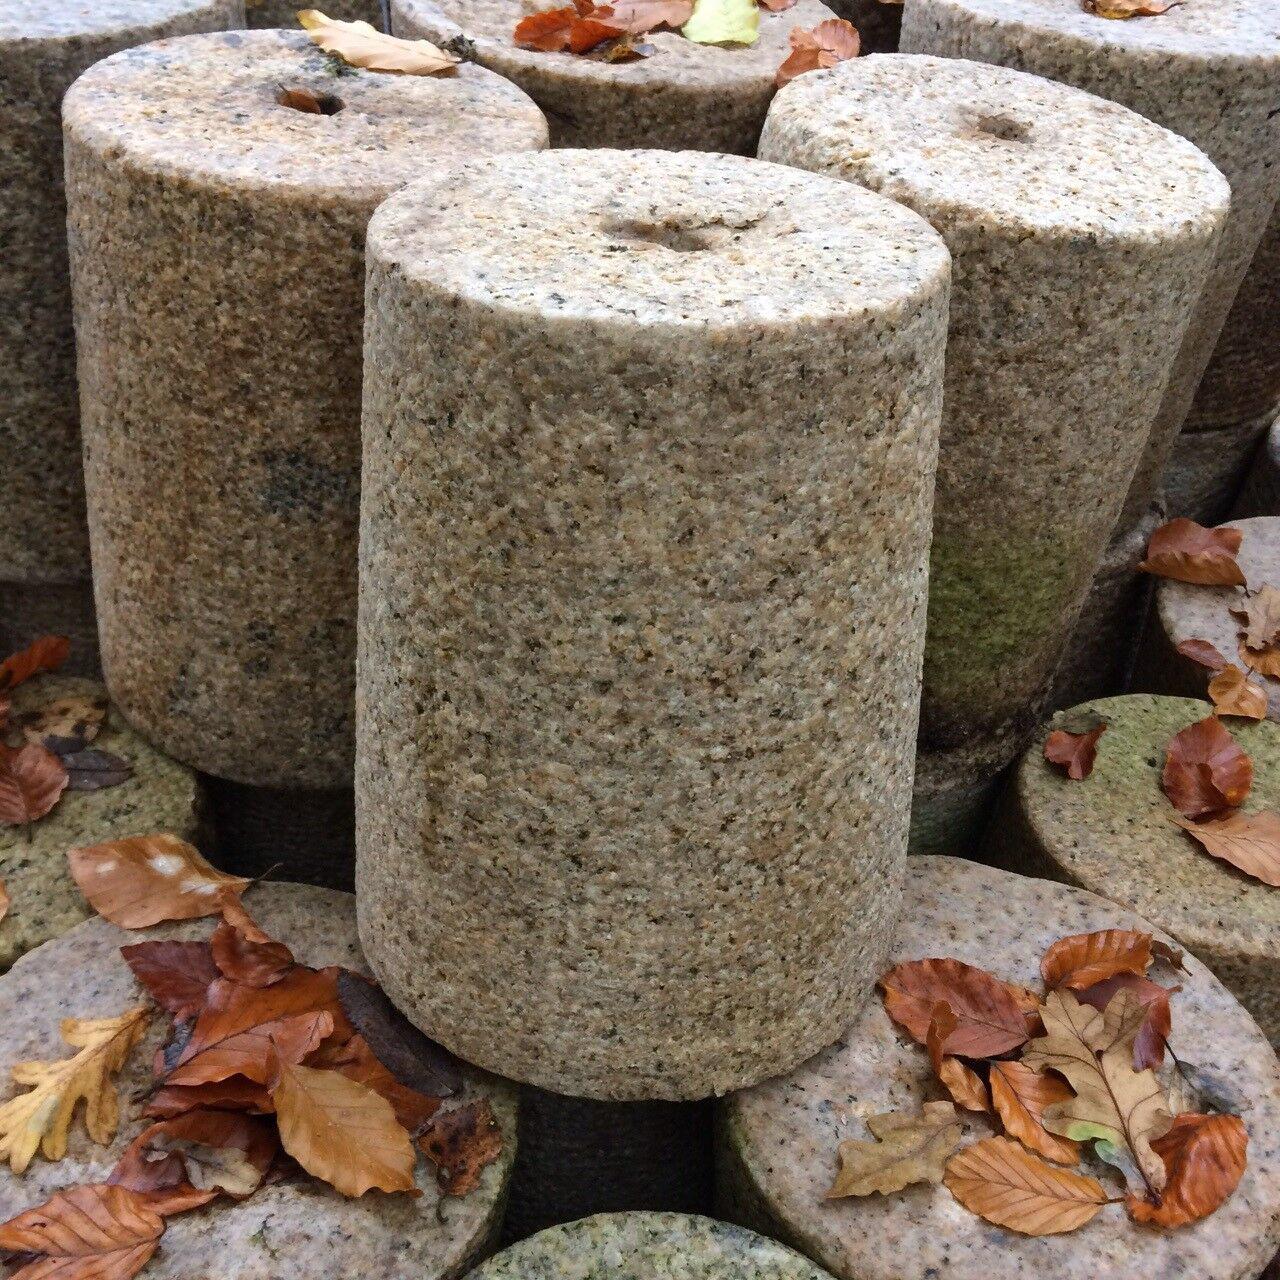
(1113, 834)
(686, 96)
(162, 795)
(296, 1229)
(778, 1141)
(638, 1246)
(223, 465)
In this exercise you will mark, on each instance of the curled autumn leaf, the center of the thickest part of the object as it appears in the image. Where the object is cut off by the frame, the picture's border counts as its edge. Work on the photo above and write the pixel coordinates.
(1266, 662)
(1234, 694)
(250, 963)
(1259, 614)
(961, 1081)
(909, 1147)
(989, 1017)
(47, 653)
(461, 1142)
(567, 30)
(1020, 1096)
(1249, 841)
(639, 17)
(235, 1094)
(176, 975)
(1149, 1043)
(1084, 959)
(1203, 653)
(361, 45)
(32, 781)
(1075, 752)
(355, 1060)
(825, 45)
(1204, 1156)
(1188, 552)
(1205, 771)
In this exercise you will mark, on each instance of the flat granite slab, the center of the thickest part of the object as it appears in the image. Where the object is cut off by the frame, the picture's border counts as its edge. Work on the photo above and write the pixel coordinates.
(778, 1141)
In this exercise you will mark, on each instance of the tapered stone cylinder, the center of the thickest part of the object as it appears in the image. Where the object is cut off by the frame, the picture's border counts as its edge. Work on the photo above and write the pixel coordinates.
(44, 542)
(1261, 493)
(1067, 216)
(686, 95)
(649, 451)
(1207, 469)
(1210, 72)
(284, 13)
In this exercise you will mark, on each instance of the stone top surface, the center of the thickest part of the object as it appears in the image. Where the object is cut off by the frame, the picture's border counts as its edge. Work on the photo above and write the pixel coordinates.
(70, 19)
(296, 1229)
(655, 237)
(648, 1246)
(1021, 155)
(787, 1130)
(205, 108)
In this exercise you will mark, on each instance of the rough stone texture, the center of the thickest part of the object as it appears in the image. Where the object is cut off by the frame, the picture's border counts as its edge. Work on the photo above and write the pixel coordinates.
(296, 1229)
(1115, 836)
(1261, 493)
(1066, 216)
(161, 796)
(223, 463)
(879, 23)
(1210, 72)
(687, 95)
(649, 450)
(1207, 468)
(28, 612)
(1186, 612)
(952, 795)
(648, 1246)
(284, 13)
(777, 1143)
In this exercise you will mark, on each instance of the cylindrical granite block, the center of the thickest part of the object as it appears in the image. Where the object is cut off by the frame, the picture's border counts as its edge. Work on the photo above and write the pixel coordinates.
(1113, 835)
(44, 46)
(952, 795)
(1261, 493)
(777, 1144)
(223, 463)
(1207, 469)
(649, 453)
(879, 23)
(31, 610)
(687, 95)
(293, 1227)
(1210, 72)
(1066, 216)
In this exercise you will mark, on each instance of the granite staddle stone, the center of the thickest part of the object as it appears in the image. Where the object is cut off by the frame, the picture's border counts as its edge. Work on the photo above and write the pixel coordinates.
(1207, 469)
(1114, 834)
(223, 464)
(31, 610)
(1261, 493)
(162, 795)
(687, 95)
(1066, 216)
(776, 1153)
(294, 1229)
(1208, 71)
(649, 453)
(44, 46)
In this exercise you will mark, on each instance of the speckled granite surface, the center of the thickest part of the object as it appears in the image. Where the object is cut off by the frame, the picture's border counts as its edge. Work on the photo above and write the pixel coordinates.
(1260, 495)
(44, 46)
(778, 1141)
(703, 97)
(1113, 834)
(648, 1246)
(31, 610)
(161, 796)
(1208, 71)
(1066, 216)
(223, 464)
(297, 1229)
(649, 450)
(952, 794)
(1207, 468)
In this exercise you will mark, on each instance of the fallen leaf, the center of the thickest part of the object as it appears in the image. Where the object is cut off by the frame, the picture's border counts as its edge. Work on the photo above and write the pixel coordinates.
(1266, 662)
(1234, 694)
(356, 1061)
(96, 1232)
(1202, 652)
(66, 724)
(32, 781)
(252, 964)
(145, 880)
(1075, 752)
(176, 975)
(47, 653)
(1020, 1096)
(815, 49)
(1004, 1183)
(1205, 1159)
(723, 22)
(235, 914)
(567, 30)
(235, 1094)
(95, 770)
(5, 900)
(42, 1117)
(1188, 552)
(361, 45)
(461, 1143)
(962, 1082)
(1249, 841)
(1205, 771)
(1128, 8)
(1260, 614)
(1149, 1043)
(1085, 959)
(909, 1148)
(989, 1018)
(639, 17)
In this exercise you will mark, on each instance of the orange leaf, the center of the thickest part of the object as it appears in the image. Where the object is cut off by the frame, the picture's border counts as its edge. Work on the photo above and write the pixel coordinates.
(32, 780)
(1075, 752)
(460, 1143)
(46, 654)
(825, 45)
(1249, 841)
(1205, 1158)
(1020, 1096)
(356, 1061)
(989, 1017)
(568, 30)
(962, 1082)
(1128, 8)
(1203, 652)
(1266, 662)
(1234, 694)
(253, 964)
(145, 880)
(1153, 1035)
(1087, 958)
(5, 900)
(1205, 771)
(1188, 552)
(176, 975)
(234, 913)
(235, 1094)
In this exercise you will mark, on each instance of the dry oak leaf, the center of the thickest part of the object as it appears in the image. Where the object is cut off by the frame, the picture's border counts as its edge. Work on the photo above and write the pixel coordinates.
(234, 913)
(1075, 752)
(1205, 771)
(989, 1016)
(95, 1232)
(32, 781)
(1085, 959)
(1249, 841)
(1188, 552)
(910, 1148)
(1128, 8)
(1260, 614)
(66, 725)
(962, 1082)
(47, 653)
(1019, 1096)
(42, 1117)
(1004, 1183)
(460, 1143)
(145, 880)
(1205, 1159)
(342, 1132)
(1203, 653)
(1149, 1043)
(176, 975)
(253, 964)
(825, 45)
(1234, 694)
(360, 45)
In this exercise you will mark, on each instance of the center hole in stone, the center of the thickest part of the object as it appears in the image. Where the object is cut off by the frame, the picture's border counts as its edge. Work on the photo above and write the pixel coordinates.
(310, 102)
(671, 235)
(1006, 128)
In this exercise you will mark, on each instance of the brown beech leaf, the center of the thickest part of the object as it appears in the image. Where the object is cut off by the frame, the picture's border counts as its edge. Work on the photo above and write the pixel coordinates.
(1205, 771)
(176, 975)
(962, 1082)
(95, 1232)
(1188, 552)
(1260, 615)
(94, 770)
(1149, 1043)
(253, 964)
(235, 914)
(47, 653)
(1128, 8)
(235, 1094)
(1249, 841)
(341, 1131)
(251, 1052)
(813, 49)
(356, 1061)
(1075, 752)
(1019, 1096)
(990, 1020)
(32, 781)
(145, 880)
(1266, 662)
(1004, 1183)
(568, 30)
(66, 724)
(909, 1147)
(5, 900)
(1202, 652)
(460, 1143)
(1205, 1159)
(1084, 959)
(1234, 694)
(361, 45)
(639, 17)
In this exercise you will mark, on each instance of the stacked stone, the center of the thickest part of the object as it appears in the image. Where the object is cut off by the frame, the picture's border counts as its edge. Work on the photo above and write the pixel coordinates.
(684, 96)
(44, 543)
(1066, 216)
(639, 660)
(223, 463)
(1261, 493)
